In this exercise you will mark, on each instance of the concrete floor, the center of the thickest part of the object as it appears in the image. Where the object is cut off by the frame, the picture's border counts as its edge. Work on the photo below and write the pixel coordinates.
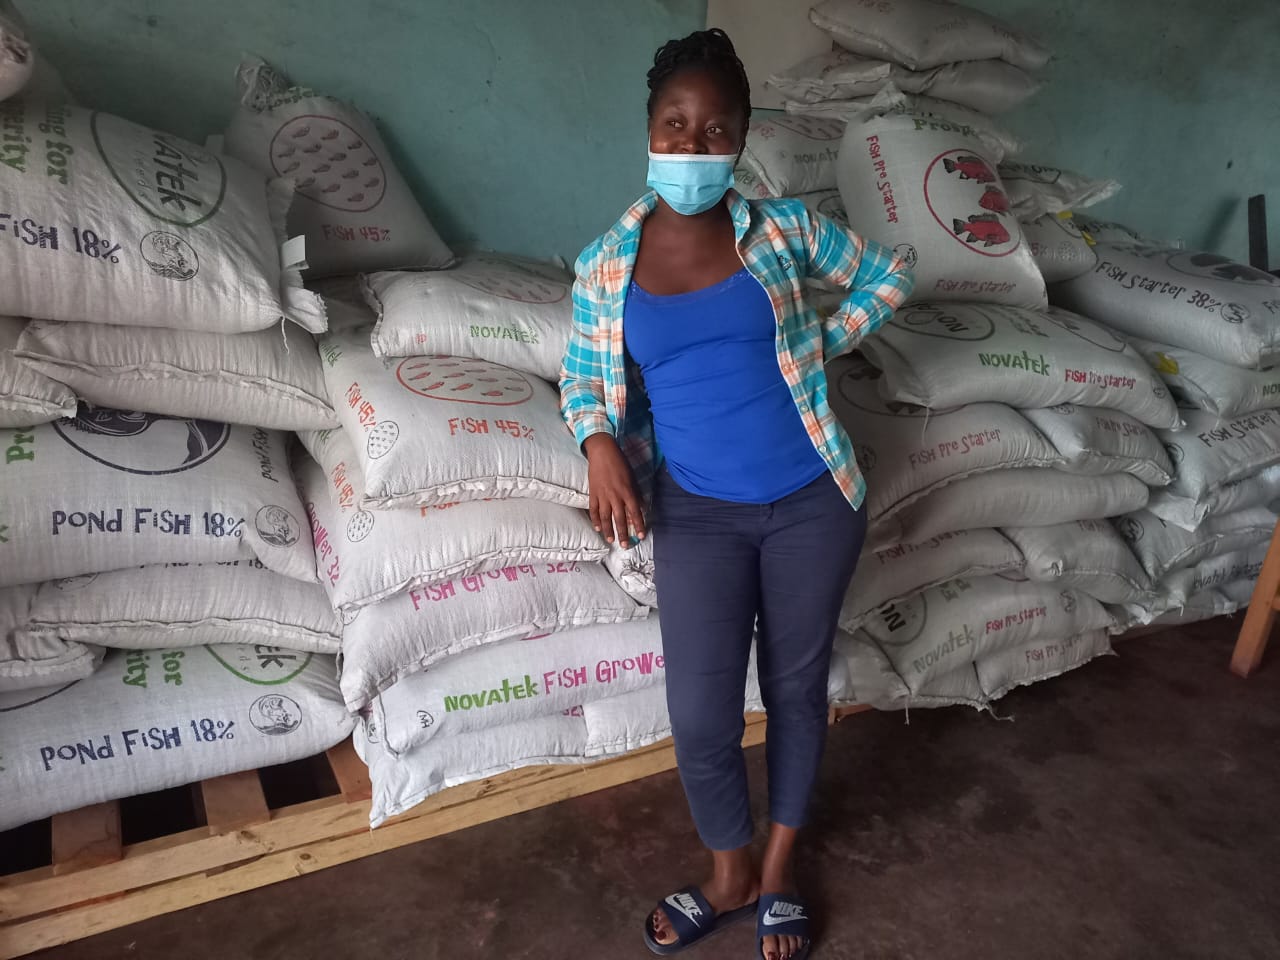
(1130, 810)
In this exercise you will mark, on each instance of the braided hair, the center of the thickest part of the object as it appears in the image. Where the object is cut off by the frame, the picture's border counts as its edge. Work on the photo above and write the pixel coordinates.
(709, 50)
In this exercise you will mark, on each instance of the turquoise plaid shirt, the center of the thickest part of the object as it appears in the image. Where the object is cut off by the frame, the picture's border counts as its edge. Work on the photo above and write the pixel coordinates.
(782, 244)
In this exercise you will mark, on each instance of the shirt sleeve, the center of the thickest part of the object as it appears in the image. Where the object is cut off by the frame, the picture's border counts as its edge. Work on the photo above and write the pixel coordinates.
(582, 400)
(878, 282)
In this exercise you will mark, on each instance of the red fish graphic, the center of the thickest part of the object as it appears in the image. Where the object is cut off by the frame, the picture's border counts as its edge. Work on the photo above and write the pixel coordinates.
(970, 168)
(984, 228)
(994, 199)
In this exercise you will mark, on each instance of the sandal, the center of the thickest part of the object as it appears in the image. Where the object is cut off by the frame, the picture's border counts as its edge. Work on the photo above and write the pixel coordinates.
(778, 915)
(692, 919)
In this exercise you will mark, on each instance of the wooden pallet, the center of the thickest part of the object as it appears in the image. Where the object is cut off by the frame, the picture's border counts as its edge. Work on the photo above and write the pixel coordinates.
(95, 881)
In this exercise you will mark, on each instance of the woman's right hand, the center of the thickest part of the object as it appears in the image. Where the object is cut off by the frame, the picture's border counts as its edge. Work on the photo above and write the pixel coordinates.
(615, 506)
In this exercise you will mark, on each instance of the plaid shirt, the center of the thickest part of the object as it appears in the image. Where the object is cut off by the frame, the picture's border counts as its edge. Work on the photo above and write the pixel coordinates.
(781, 243)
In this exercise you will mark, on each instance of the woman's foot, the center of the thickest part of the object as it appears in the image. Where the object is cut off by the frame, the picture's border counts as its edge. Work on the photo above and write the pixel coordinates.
(777, 876)
(734, 883)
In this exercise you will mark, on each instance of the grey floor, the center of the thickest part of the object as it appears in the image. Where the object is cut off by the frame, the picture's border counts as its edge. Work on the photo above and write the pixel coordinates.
(1128, 810)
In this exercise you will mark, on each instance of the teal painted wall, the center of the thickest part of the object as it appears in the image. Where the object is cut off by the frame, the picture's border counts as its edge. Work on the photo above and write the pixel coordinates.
(519, 123)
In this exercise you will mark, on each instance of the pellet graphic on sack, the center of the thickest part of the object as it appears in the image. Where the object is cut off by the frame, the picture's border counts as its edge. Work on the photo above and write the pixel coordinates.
(27, 396)
(1059, 247)
(148, 720)
(113, 489)
(114, 223)
(438, 429)
(1094, 441)
(353, 206)
(28, 663)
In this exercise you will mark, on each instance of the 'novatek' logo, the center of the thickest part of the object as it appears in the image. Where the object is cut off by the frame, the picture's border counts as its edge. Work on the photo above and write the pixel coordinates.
(143, 443)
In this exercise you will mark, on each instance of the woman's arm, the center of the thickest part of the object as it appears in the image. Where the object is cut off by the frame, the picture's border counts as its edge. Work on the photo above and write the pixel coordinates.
(878, 282)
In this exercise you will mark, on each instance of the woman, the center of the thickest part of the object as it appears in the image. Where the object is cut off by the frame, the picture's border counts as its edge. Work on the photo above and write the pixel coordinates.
(692, 335)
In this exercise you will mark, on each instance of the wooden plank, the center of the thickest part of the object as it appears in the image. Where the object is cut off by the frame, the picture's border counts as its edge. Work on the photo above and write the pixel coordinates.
(350, 772)
(1256, 629)
(233, 801)
(87, 837)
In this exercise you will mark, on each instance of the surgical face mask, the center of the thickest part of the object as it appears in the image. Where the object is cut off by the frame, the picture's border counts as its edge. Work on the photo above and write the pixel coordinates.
(691, 182)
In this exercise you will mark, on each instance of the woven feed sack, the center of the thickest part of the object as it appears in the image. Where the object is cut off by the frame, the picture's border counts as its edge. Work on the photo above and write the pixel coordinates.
(401, 782)
(183, 605)
(1162, 547)
(929, 189)
(1112, 233)
(1210, 453)
(364, 556)
(518, 680)
(353, 206)
(1200, 381)
(1059, 247)
(28, 663)
(345, 304)
(1087, 555)
(1202, 302)
(17, 59)
(948, 354)
(1096, 441)
(271, 378)
(1039, 660)
(890, 573)
(1204, 605)
(991, 86)
(1035, 190)
(962, 621)
(1029, 496)
(27, 396)
(1259, 489)
(875, 681)
(792, 155)
(113, 489)
(104, 221)
(925, 33)
(1239, 592)
(431, 430)
(632, 569)
(510, 311)
(149, 720)
(1227, 568)
(386, 643)
(906, 451)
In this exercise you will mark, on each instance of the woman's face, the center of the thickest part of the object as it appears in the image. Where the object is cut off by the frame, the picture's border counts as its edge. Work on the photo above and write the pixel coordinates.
(694, 114)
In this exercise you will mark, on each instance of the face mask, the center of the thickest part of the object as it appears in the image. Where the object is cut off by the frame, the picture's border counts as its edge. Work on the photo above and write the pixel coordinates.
(691, 182)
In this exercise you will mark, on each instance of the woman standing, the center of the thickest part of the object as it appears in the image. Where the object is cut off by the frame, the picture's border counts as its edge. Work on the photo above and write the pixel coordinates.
(692, 336)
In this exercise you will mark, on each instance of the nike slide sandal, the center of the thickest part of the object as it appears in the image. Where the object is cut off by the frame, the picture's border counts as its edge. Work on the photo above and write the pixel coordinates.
(782, 916)
(692, 919)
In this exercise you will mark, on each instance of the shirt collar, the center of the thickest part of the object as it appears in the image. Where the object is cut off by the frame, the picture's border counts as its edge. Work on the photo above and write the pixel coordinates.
(631, 221)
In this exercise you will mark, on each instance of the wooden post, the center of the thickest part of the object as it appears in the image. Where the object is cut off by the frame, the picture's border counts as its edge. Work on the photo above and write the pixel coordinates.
(1256, 630)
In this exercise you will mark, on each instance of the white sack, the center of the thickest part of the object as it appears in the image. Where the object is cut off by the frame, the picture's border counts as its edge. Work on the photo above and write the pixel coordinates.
(1209, 384)
(402, 782)
(513, 312)
(520, 679)
(925, 33)
(1110, 232)
(947, 354)
(387, 642)
(109, 222)
(1039, 660)
(353, 206)
(1059, 247)
(1216, 571)
(1162, 547)
(1088, 555)
(793, 155)
(1257, 490)
(1020, 498)
(27, 396)
(893, 572)
(1096, 441)
(17, 58)
(271, 378)
(180, 605)
(434, 430)
(906, 451)
(1204, 605)
(30, 663)
(632, 568)
(368, 555)
(963, 621)
(628, 722)
(1239, 592)
(113, 489)
(344, 304)
(1210, 452)
(151, 720)
(1201, 301)
(1035, 190)
(929, 189)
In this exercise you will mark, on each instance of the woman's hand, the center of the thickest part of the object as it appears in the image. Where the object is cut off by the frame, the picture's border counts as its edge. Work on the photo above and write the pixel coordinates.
(615, 506)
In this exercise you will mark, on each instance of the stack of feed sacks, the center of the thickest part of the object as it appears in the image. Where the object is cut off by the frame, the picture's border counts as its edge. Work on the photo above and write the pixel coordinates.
(160, 516)
(1211, 328)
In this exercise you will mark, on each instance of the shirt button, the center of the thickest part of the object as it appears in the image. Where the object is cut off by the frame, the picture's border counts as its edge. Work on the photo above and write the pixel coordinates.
(823, 448)
(803, 406)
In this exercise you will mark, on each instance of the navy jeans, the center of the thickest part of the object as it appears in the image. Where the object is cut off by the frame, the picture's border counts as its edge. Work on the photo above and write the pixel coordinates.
(723, 569)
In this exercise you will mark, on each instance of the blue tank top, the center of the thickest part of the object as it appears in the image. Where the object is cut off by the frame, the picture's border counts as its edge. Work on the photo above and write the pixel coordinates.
(723, 415)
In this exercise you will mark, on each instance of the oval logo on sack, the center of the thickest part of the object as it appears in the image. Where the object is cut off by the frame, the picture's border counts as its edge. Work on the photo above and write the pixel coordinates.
(260, 664)
(329, 162)
(1211, 266)
(963, 194)
(953, 323)
(275, 715)
(1085, 329)
(508, 280)
(171, 179)
(276, 526)
(833, 207)
(1130, 528)
(464, 381)
(910, 256)
(143, 443)
(169, 256)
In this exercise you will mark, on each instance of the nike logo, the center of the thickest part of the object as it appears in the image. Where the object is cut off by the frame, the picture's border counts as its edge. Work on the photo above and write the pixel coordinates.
(687, 905)
(782, 913)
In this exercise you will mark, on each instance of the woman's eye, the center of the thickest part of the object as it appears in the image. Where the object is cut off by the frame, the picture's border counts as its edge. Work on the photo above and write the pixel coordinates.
(714, 130)
(674, 123)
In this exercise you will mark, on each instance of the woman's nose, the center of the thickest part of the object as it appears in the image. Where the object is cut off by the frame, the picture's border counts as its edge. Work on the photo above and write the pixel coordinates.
(692, 144)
